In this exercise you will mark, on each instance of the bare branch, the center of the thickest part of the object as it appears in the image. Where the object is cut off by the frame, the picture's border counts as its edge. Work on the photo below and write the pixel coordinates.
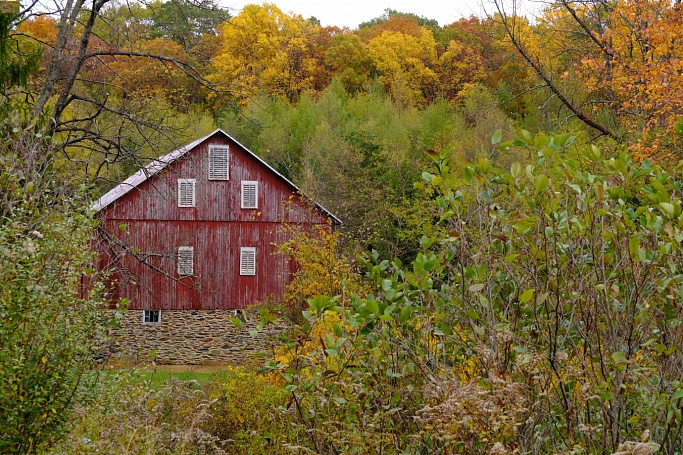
(509, 26)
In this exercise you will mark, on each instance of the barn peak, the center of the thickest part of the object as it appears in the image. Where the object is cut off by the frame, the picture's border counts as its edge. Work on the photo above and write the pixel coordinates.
(162, 162)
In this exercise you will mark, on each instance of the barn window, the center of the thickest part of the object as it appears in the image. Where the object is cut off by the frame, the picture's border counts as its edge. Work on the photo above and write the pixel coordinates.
(248, 260)
(185, 260)
(249, 195)
(218, 162)
(151, 317)
(186, 197)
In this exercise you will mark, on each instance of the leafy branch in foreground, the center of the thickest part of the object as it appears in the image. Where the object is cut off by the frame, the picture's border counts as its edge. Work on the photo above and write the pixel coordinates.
(544, 315)
(50, 333)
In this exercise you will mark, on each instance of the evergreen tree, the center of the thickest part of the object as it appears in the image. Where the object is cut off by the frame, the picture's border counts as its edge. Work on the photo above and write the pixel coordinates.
(16, 63)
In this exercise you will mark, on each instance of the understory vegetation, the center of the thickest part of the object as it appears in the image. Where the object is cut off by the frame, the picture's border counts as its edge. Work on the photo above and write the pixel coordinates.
(541, 315)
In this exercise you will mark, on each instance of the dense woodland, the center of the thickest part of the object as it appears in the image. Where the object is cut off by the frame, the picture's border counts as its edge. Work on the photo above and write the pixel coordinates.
(508, 276)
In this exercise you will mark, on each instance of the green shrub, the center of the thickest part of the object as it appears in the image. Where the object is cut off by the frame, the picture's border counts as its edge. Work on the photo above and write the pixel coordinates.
(49, 332)
(542, 315)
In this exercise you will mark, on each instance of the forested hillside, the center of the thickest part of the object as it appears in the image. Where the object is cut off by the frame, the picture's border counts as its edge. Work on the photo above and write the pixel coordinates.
(151, 77)
(508, 276)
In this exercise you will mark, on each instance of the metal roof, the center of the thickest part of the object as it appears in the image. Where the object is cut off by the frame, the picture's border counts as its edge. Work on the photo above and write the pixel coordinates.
(162, 162)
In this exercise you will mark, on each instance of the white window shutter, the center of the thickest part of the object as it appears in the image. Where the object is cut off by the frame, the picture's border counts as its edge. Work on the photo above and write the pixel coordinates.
(218, 162)
(186, 192)
(185, 260)
(249, 195)
(248, 260)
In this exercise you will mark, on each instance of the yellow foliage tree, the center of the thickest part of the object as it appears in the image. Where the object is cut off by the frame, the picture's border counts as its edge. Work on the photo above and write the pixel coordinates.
(320, 269)
(405, 64)
(42, 28)
(266, 50)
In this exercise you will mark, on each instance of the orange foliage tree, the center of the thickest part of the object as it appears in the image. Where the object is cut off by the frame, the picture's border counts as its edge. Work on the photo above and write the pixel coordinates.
(638, 67)
(42, 28)
(614, 65)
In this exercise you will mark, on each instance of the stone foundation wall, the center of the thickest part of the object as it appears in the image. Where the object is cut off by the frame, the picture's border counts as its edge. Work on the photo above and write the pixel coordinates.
(189, 337)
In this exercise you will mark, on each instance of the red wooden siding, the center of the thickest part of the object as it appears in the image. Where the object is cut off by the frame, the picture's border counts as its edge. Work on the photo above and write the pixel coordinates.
(146, 227)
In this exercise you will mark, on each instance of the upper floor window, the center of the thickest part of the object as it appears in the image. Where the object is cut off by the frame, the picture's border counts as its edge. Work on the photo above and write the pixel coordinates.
(218, 162)
(186, 196)
(249, 194)
(185, 260)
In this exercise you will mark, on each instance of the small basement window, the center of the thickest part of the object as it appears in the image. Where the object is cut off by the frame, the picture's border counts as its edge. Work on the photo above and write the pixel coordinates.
(249, 194)
(186, 193)
(151, 317)
(185, 260)
(218, 162)
(248, 260)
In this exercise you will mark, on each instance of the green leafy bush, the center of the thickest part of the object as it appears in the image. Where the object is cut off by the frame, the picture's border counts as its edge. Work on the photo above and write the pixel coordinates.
(543, 315)
(50, 332)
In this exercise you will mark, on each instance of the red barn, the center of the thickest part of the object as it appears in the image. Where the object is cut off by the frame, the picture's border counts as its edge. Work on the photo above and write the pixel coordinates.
(191, 238)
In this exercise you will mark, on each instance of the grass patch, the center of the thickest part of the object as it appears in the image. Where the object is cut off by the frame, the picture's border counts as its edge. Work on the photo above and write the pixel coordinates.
(156, 377)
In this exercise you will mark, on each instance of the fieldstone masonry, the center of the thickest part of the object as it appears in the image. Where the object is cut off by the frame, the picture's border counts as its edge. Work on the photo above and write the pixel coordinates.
(189, 337)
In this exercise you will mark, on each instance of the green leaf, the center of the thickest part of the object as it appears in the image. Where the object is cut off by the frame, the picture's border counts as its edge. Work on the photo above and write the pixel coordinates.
(525, 296)
(237, 322)
(511, 257)
(497, 136)
(541, 182)
(526, 136)
(523, 225)
(516, 169)
(667, 208)
(619, 358)
(472, 315)
(476, 287)
(372, 306)
(633, 245)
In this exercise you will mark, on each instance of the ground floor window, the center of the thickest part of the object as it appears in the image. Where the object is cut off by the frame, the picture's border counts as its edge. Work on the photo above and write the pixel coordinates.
(185, 260)
(151, 317)
(248, 260)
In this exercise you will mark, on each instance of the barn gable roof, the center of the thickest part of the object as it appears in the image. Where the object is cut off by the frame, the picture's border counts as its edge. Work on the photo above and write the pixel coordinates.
(162, 162)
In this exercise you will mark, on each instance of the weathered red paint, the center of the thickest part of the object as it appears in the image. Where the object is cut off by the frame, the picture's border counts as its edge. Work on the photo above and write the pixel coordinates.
(142, 229)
